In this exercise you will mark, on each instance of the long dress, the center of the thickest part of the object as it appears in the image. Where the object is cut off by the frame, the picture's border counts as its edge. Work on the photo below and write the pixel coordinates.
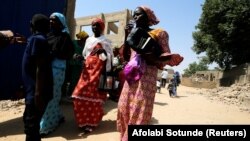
(62, 49)
(135, 106)
(53, 115)
(87, 99)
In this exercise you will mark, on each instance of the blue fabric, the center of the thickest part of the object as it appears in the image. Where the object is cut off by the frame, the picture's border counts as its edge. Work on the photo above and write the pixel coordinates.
(37, 46)
(16, 15)
(53, 113)
(62, 20)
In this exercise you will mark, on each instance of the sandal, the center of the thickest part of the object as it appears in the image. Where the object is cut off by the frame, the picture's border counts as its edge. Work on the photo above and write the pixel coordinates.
(89, 129)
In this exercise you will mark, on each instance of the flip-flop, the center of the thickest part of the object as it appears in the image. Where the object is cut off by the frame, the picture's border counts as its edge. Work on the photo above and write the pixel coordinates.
(89, 129)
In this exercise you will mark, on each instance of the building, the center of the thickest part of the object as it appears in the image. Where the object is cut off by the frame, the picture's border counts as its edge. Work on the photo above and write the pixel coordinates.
(114, 25)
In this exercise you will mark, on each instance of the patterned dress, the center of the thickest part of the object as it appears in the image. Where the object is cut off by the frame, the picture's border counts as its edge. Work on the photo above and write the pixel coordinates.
(136, 101)
(62, 49)
(135, 106)
(88, 100)
(53, 114)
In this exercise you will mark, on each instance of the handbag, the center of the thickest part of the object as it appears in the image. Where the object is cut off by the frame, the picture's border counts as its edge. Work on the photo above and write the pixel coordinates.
(140, 41)
(134, 69)
(107, 80)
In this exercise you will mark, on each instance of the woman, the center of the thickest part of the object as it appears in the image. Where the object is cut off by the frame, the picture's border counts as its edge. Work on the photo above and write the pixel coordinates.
(87, 99)
(62, 49)
(136, 101)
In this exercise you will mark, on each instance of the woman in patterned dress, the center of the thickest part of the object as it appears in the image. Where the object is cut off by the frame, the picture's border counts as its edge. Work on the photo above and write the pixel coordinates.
(136, 101)
(87, 99)
(62, 49)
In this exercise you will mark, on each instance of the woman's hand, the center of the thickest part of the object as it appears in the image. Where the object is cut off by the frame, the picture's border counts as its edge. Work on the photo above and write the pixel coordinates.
(77, 57)
(20, 39)
(128, 28)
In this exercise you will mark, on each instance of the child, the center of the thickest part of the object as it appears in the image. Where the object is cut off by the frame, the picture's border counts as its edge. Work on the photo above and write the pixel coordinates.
(158, 85)
(37, 76)
(171, 88)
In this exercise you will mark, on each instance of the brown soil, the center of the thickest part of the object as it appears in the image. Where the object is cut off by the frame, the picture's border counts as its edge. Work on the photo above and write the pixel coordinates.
(192, 106)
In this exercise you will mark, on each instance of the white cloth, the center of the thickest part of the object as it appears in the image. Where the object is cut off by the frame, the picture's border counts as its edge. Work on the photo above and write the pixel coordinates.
(158, 83)
(164, 74)
(103, 57)
(116, 61)
(92, 41)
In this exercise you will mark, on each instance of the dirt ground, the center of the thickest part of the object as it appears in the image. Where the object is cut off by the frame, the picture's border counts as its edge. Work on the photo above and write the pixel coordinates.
(190, 107)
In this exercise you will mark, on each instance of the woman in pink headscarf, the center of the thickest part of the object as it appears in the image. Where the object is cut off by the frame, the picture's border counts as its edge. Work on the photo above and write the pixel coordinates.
(135, 106)
(87, 99)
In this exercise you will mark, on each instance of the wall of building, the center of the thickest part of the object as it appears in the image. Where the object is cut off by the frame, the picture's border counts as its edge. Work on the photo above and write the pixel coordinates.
(198, 84)
(114, 22)
(213, 79)
(239, 74)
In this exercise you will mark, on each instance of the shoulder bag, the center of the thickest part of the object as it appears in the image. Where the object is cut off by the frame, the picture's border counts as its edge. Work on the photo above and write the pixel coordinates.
(140, 41)
(107, 80)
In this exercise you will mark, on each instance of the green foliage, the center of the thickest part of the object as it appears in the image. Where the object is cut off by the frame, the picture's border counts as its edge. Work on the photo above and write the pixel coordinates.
(223, 32)
(193, 67)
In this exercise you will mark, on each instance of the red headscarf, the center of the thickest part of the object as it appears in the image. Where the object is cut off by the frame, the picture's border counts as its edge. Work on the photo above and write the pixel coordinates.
(153, 20)
(100, 22)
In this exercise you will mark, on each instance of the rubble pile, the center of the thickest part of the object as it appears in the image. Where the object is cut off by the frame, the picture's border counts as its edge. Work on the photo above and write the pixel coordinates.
(237, 94)
(5, 105)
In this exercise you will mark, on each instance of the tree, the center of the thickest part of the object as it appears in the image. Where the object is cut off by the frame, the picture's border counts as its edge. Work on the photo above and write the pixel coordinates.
(194, 67)
(223, 32)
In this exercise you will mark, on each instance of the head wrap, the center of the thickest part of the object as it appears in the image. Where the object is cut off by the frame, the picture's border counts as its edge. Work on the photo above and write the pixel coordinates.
(82, 35)
(153, 20)
(40, 23)
(62, 19)
(100, 22)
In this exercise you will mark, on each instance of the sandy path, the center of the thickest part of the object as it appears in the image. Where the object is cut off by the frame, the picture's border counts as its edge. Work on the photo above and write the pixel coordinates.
(188, 108)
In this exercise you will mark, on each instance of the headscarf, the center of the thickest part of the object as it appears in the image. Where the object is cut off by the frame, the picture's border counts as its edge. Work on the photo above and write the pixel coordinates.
(62, 19)
(153, 20)
(100, 22)
(82, 35)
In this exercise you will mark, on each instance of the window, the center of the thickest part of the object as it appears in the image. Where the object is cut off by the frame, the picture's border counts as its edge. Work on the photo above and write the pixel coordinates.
(113, 27)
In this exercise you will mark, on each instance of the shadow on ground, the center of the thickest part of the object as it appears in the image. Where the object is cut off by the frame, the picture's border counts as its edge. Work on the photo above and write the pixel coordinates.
(69, 129)
(11, 127)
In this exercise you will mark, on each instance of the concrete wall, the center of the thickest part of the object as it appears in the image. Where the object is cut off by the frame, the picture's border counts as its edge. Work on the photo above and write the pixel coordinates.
(239, 74)
(203, 79)
(213, 79)
(198, 84)
(114, 22)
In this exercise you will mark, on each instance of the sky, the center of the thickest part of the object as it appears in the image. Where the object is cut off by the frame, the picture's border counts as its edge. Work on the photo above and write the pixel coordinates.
(177, 17)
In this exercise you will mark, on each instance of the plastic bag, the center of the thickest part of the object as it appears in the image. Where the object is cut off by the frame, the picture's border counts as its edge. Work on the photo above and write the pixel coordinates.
(134, 69)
